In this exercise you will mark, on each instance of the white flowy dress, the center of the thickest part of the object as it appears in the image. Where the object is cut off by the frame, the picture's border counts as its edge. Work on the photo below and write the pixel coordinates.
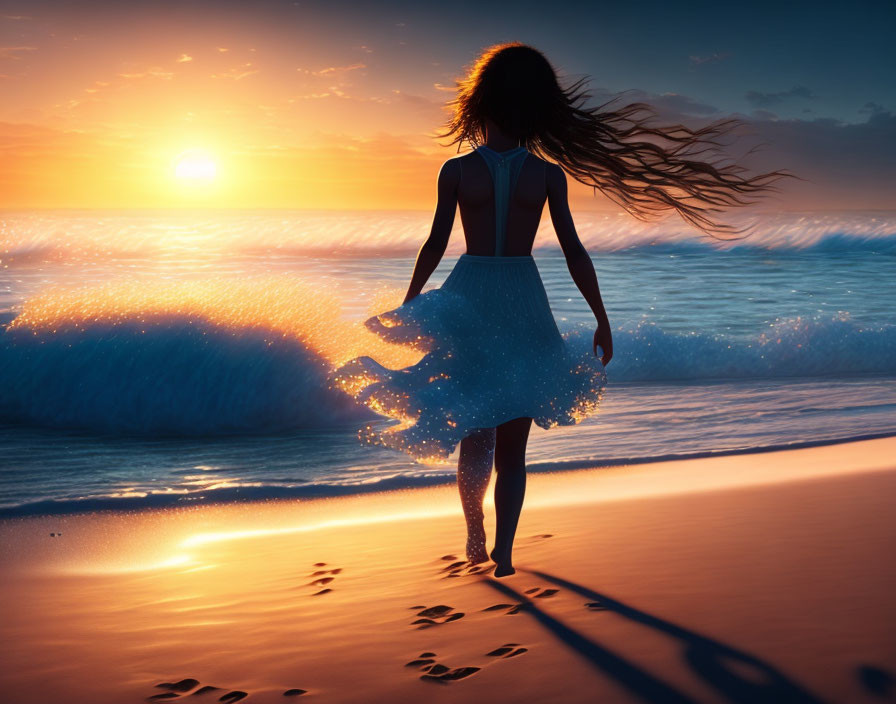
(493, 351)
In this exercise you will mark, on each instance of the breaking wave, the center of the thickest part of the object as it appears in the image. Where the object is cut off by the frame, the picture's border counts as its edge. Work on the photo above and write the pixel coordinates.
(194, 374)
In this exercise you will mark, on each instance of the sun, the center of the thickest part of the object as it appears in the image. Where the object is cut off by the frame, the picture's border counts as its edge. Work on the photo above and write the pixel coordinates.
(194, 166)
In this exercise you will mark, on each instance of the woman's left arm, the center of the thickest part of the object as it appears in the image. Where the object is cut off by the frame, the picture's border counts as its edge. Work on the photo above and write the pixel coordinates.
(431, 252)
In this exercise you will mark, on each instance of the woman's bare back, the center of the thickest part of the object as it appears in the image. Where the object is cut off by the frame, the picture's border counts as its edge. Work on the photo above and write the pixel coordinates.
(476, 201)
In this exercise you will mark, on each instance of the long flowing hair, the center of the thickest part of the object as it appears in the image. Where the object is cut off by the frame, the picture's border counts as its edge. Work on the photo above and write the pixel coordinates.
(647, 169)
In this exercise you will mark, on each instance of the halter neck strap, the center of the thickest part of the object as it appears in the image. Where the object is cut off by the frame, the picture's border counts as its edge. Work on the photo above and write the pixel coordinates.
(504, 168)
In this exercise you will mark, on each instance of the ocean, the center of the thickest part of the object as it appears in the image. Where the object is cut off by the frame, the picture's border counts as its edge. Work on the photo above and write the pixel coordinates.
(166, 358)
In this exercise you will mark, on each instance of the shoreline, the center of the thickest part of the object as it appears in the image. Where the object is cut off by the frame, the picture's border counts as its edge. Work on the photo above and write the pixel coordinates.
(545, 491)
(316, 491)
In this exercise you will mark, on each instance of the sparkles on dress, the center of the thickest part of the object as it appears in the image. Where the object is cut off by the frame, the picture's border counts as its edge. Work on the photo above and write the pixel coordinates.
(493, 352)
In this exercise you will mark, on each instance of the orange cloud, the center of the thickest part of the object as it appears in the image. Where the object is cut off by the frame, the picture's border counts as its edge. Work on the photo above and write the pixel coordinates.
(13, 52)
(331, 70)
(152, 72)
(97, 86)
(237, 73)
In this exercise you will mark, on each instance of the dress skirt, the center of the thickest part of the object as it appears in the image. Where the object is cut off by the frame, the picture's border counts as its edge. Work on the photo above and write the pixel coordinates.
(493, 353)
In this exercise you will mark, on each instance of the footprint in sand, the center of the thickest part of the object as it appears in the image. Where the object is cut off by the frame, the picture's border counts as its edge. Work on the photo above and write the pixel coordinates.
(533, 593)
(435, 615)
(231, 697)
(508, 650)
(436, 672)
(457, 673)
(506, 608)
(462, 568)
(539, 593)
(595, 606)
(322, 578)
(176, 689)
(182, 686)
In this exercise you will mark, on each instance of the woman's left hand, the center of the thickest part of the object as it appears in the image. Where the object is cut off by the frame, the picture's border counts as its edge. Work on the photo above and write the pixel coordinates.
(603, 338)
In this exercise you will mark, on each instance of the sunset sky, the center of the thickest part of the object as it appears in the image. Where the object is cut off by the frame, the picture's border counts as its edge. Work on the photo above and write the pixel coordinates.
(335, 104)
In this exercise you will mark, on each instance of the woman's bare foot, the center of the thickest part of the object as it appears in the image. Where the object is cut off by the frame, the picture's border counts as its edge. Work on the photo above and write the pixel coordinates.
(476, 552)
(503, 565)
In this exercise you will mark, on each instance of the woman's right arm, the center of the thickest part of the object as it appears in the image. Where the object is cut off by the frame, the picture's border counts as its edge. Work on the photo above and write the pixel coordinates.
(579, 263)
(434, 247)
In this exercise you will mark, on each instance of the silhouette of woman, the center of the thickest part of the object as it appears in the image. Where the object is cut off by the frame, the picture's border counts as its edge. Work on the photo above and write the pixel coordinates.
(494, 359)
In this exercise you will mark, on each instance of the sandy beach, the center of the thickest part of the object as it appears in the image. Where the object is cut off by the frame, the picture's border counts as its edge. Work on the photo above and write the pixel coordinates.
(759, 577)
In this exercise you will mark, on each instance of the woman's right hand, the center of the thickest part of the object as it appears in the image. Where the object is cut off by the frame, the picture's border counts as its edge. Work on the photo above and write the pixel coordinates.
(603, 338)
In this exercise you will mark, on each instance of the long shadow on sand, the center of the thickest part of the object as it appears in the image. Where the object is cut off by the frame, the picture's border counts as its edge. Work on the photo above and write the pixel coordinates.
(734, 674)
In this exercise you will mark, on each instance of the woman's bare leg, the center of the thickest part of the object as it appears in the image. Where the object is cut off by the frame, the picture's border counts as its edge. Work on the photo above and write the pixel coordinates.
(474, 470)
(510, 488)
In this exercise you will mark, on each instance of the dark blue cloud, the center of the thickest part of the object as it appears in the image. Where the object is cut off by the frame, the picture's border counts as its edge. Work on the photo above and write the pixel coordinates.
(767, 100)
(844, 163)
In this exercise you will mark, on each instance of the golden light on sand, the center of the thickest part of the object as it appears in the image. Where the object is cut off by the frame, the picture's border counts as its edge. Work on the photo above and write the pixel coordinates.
(195, 166)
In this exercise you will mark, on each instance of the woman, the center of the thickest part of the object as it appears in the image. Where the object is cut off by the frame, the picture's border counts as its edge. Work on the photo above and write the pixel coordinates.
(494, 359)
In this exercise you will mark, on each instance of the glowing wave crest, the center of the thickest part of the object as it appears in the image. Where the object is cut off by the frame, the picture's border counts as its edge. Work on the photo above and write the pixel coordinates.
(182, 357)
